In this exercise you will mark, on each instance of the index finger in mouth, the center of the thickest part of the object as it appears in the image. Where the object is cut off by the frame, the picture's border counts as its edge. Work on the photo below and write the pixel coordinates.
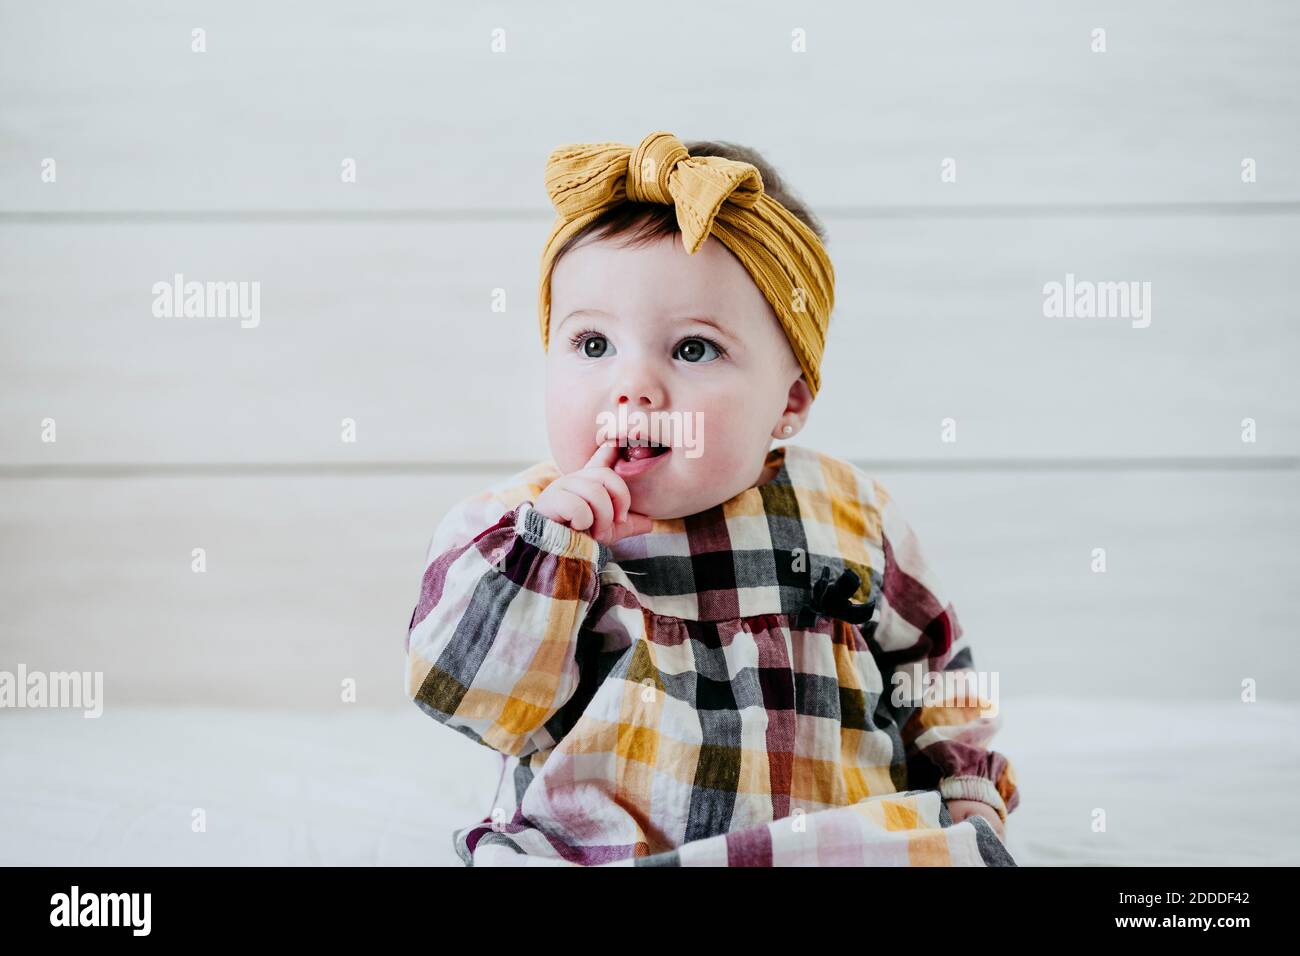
(605, 456)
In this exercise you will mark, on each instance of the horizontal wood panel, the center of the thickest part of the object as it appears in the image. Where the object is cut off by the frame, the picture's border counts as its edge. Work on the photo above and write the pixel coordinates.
(310, 581)
(883, 94)
(391, 325)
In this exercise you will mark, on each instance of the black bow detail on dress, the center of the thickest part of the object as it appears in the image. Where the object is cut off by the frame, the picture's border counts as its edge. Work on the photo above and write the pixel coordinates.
(831, 598)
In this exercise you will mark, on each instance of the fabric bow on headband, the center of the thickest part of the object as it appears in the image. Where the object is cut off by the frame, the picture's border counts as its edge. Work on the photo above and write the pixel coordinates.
(713, 196)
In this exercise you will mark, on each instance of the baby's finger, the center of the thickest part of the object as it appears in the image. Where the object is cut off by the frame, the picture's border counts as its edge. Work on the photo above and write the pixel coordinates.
(573, 509)
(615, 485)
(604, 457)
(594, 492)
(635, 523)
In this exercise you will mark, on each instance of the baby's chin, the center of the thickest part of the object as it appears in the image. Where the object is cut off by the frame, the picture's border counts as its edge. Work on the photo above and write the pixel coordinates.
(678, 490)
(665, 504)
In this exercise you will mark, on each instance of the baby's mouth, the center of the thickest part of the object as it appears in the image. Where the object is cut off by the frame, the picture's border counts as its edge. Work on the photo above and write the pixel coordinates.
(635, 450)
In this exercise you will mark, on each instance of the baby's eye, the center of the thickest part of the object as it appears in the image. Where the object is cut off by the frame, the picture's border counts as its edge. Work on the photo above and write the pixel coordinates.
(592, 344)
(695, 349)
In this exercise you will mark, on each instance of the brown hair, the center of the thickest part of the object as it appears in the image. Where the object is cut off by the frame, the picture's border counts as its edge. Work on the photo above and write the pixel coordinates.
(643, 223)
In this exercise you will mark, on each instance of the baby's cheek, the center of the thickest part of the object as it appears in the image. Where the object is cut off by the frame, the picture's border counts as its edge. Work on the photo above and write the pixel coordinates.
(571, 452)
(570, 436)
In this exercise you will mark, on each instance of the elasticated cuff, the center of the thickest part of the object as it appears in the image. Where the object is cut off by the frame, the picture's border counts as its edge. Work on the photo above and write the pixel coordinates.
(973, 788)
(558, 539)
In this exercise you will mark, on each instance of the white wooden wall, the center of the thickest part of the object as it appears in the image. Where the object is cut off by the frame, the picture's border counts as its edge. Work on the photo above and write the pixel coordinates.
(375, 305)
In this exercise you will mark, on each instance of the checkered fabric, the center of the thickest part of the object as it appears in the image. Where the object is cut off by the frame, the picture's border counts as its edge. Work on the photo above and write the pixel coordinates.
(684, 698)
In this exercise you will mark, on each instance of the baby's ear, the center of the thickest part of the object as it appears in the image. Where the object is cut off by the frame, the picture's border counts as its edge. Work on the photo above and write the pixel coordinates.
(799, 400)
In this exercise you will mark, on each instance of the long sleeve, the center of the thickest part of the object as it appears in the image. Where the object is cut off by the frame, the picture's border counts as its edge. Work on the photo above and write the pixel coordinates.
(946, 712)
(490, 651)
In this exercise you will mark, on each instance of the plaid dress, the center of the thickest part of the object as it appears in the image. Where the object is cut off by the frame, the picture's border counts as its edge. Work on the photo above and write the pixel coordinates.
(719, 691)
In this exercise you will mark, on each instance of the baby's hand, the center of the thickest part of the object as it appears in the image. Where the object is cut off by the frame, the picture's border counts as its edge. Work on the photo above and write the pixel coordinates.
(594, 498)
(961, 809)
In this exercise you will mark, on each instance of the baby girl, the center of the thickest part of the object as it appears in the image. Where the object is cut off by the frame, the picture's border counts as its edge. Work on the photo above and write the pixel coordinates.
(697, 647)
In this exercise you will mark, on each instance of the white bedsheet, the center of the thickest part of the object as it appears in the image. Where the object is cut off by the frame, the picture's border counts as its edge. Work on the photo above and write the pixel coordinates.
(1194, 784)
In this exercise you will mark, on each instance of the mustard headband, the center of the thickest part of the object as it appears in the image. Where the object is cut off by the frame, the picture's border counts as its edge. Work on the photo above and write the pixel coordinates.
(713, 196)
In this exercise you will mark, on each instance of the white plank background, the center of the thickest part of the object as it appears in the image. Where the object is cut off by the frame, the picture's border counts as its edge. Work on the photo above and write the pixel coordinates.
(391, 325)
(224, 166)
(437, 121)
(311, 580)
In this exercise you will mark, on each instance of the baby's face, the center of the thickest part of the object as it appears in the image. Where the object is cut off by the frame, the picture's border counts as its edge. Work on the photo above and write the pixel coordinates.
(657, 330)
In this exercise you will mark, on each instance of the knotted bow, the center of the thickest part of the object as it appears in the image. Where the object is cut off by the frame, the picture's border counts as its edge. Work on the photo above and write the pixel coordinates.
(832, 598)
(712, 196)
